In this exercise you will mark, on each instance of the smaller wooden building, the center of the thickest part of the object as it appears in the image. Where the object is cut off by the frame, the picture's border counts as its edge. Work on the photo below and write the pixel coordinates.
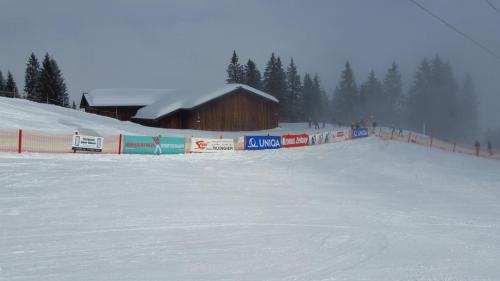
(120, 104)
(234, 107)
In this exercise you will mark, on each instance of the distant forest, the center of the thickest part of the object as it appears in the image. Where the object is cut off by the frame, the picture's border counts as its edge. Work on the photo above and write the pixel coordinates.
(437, 102)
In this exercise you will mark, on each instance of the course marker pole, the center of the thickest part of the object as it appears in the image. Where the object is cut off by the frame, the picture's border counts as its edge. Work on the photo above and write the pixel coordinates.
(20, 141)
(120, 144)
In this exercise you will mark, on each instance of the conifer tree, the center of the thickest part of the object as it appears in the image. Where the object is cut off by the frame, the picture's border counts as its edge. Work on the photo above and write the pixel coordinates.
(294, 93)
(73, 105)
(433, 102)
(346, 97)
(252, 75)
(2, 82)
(31, 78)
(11, 86)
(468, 109)
(393, 95)
(275, 82)
(317, 99)
(51, 85)
(235, 70)
(371, 100)
(308, 97)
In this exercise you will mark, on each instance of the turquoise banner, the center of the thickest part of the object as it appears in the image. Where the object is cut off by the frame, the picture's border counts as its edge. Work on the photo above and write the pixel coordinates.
(152, 145)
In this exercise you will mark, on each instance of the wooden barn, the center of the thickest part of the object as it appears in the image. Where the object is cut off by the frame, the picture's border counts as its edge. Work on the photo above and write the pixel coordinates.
(234, 107)
(121, 104)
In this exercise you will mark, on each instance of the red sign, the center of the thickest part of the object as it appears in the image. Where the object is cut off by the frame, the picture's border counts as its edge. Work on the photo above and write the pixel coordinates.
(295, 140)
(340, 133)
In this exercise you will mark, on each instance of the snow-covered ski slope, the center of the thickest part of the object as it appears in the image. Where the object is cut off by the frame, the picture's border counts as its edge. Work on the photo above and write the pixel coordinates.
(360, 210)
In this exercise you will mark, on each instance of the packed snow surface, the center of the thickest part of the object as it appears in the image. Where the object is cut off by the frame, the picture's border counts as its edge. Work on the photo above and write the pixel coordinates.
(360, 210)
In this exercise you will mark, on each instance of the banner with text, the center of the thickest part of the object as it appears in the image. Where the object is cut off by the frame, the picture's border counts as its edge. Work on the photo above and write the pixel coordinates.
(152, 145)
(359, 133)
(87, 143)
(295, 140)
(212, 145)
(338, 136)
(319, 138)
(262, 142)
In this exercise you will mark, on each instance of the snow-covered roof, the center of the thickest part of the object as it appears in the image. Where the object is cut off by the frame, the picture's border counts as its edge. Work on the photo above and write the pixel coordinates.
(185, 99)
(124, 97)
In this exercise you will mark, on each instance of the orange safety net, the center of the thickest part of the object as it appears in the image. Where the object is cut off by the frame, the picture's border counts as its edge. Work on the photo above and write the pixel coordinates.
(9, 140)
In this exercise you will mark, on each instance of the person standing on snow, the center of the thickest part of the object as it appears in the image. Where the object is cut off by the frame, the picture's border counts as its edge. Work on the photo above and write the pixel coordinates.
(477, 146)
(157, 143)
(490, 148)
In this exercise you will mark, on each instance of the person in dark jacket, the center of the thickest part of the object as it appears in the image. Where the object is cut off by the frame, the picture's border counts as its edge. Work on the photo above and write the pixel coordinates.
(477, 146)
(490, 148)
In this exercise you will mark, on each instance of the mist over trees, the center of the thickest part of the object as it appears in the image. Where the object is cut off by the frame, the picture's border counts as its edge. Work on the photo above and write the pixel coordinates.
(300, 100)
(437, 102)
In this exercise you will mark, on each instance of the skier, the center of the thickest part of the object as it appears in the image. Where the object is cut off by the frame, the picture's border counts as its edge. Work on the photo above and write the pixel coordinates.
(374, 125)
(490, 148)
(477, 146)
(316, 124)
(310, 123)
(156, 142)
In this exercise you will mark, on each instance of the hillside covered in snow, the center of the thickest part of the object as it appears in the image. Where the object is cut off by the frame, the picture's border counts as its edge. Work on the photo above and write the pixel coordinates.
(359, 210)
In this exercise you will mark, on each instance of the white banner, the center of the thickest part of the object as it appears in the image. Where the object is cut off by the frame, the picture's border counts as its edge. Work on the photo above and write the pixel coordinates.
(212, 145)
(319, 138)
(87, 143)
(340, 135)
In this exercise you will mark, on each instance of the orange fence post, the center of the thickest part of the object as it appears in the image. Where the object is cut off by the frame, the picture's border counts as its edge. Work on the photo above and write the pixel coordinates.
(120, 145)
(20, 141)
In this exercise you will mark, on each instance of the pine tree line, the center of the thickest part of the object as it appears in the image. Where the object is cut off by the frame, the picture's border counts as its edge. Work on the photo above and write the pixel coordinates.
(435, 102)
(8, 87)
(45, 83)
(300, 100)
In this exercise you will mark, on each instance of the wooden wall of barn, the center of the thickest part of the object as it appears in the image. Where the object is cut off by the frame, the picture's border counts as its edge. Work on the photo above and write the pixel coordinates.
(236, 111)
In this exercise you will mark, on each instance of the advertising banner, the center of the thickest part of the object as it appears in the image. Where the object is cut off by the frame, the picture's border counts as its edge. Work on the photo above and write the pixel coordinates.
(319, 138)
(87, 143)
(212, 145)
(338, 136)
(262, 142)
(295, 140)
(359, 133)
(152, 145)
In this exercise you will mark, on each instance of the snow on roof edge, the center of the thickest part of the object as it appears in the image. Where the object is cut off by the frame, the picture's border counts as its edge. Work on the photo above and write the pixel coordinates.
(164, 107)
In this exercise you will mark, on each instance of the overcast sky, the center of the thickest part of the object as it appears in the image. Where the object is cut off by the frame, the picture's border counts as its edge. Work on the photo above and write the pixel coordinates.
(188, 43)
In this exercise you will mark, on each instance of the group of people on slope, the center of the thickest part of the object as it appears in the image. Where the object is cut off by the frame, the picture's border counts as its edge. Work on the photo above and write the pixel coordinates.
(477, 146)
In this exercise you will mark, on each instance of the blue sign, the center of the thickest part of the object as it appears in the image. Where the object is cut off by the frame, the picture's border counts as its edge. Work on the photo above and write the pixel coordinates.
(262, 142)
(359, 133)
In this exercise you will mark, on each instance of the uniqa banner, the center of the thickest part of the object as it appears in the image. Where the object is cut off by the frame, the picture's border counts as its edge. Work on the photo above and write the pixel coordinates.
(294, 140)
(87, 143)
(262, 142)
(359, 133)
(152, 145)
(319, 138)
(212, 145)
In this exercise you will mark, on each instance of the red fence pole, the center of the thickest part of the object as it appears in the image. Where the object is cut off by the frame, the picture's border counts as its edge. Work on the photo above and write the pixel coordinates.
(120, 145)
(20, 141)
